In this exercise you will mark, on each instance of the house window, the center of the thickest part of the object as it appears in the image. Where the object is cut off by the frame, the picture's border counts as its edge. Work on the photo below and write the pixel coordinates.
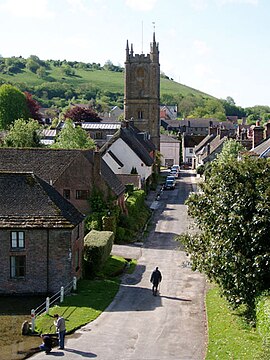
(17, 267)
(66, 193)
(140, 114)
(17, 240)
(98, 135)
(190, 150)
(82, 194)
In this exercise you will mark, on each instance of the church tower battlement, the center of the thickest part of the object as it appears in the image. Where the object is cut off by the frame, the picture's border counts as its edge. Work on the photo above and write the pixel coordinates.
(142, 90)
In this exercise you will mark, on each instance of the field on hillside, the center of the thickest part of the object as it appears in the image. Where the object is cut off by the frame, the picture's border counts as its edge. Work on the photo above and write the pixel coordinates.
(102, 79)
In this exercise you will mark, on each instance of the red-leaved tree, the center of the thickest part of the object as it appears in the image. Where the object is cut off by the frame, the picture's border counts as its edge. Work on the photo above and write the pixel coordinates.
(33, 107)
(82, 114)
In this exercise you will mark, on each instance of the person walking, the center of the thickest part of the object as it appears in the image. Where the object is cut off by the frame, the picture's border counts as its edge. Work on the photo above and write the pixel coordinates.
(155, 279)
(61, 330)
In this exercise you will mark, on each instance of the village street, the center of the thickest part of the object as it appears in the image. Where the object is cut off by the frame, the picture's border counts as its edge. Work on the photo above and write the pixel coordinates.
(138, 325)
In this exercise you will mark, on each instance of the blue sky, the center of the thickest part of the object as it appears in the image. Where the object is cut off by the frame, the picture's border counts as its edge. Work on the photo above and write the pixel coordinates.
(220, 47)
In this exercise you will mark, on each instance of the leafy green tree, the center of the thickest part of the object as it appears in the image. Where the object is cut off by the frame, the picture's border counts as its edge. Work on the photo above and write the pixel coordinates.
(232, 212)
(23, 133)
(72, 137)
(230, 151)
(67, 70)
(13, 105)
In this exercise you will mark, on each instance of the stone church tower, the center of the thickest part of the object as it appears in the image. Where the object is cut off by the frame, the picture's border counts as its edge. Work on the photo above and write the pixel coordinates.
(142, 91)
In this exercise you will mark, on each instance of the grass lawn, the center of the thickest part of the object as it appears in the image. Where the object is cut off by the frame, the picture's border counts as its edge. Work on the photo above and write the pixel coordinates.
(230, 337)
(90, 300)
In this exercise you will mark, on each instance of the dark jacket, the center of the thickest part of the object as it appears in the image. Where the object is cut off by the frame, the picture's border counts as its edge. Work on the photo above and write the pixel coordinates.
(156, 277)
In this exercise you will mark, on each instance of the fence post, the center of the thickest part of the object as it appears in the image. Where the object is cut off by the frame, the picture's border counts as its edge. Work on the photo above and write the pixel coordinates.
(47, 305)
(62, 291)
(74, 283)
(33, 320)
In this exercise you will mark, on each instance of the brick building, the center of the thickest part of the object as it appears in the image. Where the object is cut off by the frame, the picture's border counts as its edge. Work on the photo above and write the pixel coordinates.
(73, 173)
(41, 236)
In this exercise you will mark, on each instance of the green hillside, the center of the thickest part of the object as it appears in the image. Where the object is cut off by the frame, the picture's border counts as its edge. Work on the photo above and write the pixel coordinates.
(61, 81)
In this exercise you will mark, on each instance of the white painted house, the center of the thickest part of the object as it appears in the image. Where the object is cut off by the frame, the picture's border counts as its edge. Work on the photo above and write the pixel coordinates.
(170, 150)
(127, 150)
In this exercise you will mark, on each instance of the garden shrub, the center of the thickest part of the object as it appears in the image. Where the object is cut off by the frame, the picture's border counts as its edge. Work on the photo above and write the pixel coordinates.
(97, 249)
(263, 318)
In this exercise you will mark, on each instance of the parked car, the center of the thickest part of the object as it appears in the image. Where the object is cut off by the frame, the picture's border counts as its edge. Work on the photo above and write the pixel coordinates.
(174, 173)
(175, 167)
(170, 177)
(169, 185)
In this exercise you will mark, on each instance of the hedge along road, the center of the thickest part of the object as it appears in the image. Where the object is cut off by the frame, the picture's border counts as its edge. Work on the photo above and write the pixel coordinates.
(138, 325)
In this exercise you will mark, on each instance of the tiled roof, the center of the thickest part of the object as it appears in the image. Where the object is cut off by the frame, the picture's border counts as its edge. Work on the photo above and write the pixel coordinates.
(215, 145)
(168, 139)
(111, 179)
(262, 149)
(48, 164)
(138, 144)
(135, 140)
(101, 126)
(202, 144)
(192, 140)
(28, 201)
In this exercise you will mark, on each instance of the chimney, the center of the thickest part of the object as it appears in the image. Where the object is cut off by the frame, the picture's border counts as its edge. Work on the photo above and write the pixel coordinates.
(223, 132)
(267, 130)
(257, 136)
(212, 130)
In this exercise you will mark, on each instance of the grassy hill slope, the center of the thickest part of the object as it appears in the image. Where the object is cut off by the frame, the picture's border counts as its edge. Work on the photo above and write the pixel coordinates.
(102, 79)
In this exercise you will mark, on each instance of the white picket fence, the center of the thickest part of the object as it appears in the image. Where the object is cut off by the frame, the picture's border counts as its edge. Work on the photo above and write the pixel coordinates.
(57, 297)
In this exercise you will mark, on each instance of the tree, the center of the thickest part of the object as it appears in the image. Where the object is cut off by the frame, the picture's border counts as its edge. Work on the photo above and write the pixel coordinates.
(23, 133)
(13, 105)
(232, 212)
(230, 151)
(33, 106)
(72, 137)
(81, 114)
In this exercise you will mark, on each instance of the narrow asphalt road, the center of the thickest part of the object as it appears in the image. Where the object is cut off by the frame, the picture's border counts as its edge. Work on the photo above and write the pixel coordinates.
(138, 325)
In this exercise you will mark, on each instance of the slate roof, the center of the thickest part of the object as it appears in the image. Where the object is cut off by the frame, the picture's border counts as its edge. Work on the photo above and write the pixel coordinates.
(48, 164)
(27, 201)
(262, 149)
(168, 139)
(111, 179)
(135, 140)
(190, 141)
(101, 126)
(215, 146)
(203, 143)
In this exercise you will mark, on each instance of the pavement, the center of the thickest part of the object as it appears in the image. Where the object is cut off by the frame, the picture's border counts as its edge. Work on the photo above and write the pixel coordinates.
(138, 325)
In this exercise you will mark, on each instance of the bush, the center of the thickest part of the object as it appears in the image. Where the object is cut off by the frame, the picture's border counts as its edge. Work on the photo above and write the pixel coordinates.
(263, 318)
(97, 249)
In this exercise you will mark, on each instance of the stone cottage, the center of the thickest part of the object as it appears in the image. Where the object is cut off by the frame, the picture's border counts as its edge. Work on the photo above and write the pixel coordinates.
(41, 236)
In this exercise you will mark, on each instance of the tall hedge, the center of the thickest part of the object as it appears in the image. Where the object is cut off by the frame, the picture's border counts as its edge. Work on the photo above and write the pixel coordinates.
(97, 249)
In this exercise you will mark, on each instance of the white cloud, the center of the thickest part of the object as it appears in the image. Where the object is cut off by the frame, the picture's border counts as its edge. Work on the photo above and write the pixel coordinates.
(78, 42)
(141, 5)
(27, 9)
